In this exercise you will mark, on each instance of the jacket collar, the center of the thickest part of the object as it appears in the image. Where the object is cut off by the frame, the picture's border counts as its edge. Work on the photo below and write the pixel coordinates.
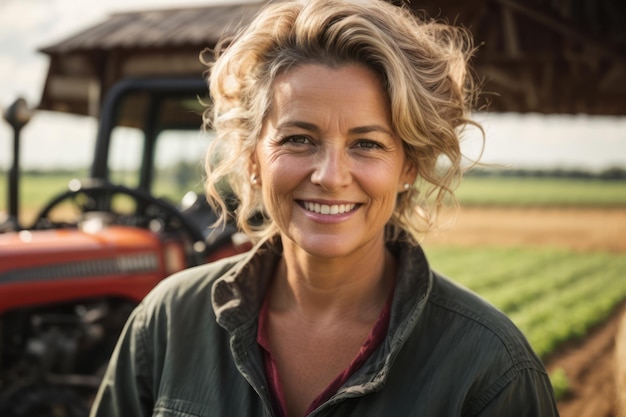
(237, 295)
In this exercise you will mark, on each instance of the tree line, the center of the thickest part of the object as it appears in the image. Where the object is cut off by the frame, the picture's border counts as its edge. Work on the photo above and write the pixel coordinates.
(610, 174)
(182, 172)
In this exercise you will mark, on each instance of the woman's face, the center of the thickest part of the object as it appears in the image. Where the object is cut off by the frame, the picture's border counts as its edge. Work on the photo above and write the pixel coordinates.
(329, 165)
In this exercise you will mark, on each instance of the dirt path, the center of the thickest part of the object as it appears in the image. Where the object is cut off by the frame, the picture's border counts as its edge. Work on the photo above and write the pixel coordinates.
(590, 364)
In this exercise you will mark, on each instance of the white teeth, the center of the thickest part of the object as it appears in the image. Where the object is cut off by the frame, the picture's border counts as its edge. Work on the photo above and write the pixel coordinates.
(326, 209)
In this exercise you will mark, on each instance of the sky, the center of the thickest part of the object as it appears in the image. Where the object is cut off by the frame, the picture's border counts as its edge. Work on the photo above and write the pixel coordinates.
(52, 140)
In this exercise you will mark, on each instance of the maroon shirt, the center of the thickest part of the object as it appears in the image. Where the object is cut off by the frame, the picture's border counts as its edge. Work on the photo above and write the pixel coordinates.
(374, 339)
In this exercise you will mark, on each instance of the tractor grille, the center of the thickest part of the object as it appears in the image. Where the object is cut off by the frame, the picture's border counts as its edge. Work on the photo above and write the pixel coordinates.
(120, 265)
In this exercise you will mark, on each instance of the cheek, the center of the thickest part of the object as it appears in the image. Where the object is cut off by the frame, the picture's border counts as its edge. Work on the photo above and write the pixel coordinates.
(382, 183)
(279, 178)
(281, 174)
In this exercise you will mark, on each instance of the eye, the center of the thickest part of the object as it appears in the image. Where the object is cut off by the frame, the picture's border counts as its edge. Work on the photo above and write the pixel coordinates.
(295, 139)
(368, 144)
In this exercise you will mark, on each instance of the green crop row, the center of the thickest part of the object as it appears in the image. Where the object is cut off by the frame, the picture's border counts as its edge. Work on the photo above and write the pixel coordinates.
(552, 295)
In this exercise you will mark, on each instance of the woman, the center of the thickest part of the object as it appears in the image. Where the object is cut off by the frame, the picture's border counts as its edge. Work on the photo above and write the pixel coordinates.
(333, 119)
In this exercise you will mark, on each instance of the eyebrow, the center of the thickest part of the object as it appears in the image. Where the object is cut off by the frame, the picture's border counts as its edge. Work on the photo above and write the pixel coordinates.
(355, 130)
(369, 129)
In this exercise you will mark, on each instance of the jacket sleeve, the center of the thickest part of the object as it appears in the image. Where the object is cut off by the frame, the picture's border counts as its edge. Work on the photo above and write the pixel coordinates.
(127, 386)
(529, 394)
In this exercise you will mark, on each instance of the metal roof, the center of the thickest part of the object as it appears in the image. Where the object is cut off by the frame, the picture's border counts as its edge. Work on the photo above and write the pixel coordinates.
(548, 56)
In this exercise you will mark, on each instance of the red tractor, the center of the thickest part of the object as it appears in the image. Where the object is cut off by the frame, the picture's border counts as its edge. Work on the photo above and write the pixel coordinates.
(67, 286)
(70, 277)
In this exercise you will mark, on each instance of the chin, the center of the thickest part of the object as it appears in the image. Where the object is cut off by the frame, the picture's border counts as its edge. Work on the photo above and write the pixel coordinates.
(326, 246)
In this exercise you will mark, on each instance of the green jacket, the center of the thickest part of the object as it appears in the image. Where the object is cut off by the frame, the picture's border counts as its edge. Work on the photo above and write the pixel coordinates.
(189, 349)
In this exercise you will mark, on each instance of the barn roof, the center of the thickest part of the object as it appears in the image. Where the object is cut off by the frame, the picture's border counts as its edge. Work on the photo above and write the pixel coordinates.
(548, 56)
(162, 28)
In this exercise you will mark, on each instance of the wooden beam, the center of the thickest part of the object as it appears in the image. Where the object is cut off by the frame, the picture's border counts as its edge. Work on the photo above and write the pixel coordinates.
(564, 29)
(509, 32)
(167, 63)
(613, 80)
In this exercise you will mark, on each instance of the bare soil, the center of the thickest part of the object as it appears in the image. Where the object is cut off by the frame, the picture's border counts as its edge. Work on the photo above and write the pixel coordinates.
(591, 365)
(591, 369)
(579, 229)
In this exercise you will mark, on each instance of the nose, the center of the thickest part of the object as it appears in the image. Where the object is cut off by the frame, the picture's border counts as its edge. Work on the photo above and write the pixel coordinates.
(332, 169)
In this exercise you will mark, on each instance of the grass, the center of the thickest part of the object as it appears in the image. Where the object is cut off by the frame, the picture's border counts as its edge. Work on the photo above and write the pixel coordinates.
(36, 190)
(542, 192)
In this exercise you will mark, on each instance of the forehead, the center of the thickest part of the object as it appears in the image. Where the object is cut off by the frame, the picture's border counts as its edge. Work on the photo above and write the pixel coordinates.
(349, 88)
(348, 76)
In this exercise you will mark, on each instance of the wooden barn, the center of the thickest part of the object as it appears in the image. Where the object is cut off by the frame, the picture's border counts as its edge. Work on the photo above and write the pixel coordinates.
(546, 56)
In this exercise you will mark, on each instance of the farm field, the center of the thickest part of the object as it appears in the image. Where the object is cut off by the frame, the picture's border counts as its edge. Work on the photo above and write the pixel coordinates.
(547, 267)
(580, 229)
(553, 295)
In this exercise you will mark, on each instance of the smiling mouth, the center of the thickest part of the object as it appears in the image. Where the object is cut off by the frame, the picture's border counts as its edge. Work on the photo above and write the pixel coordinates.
(326, 208)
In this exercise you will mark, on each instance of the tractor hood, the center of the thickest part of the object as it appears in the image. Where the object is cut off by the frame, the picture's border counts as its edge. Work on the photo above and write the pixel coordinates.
(28, 250)
(52, 265)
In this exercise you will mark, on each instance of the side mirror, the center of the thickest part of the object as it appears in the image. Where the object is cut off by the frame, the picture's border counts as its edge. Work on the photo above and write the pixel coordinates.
(17, 115)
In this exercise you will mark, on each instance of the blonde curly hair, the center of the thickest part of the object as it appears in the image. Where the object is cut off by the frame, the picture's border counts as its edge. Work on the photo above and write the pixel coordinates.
(423, 67)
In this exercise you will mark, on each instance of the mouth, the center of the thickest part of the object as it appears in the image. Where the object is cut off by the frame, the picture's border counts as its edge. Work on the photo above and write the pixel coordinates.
(329, 209)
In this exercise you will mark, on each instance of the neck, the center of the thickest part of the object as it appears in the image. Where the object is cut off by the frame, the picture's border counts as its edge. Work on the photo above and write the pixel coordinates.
(326, 290)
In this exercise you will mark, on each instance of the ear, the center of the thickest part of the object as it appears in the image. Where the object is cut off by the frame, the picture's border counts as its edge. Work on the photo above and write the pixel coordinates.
(252, 167)
(409, 174)
(253, 171)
